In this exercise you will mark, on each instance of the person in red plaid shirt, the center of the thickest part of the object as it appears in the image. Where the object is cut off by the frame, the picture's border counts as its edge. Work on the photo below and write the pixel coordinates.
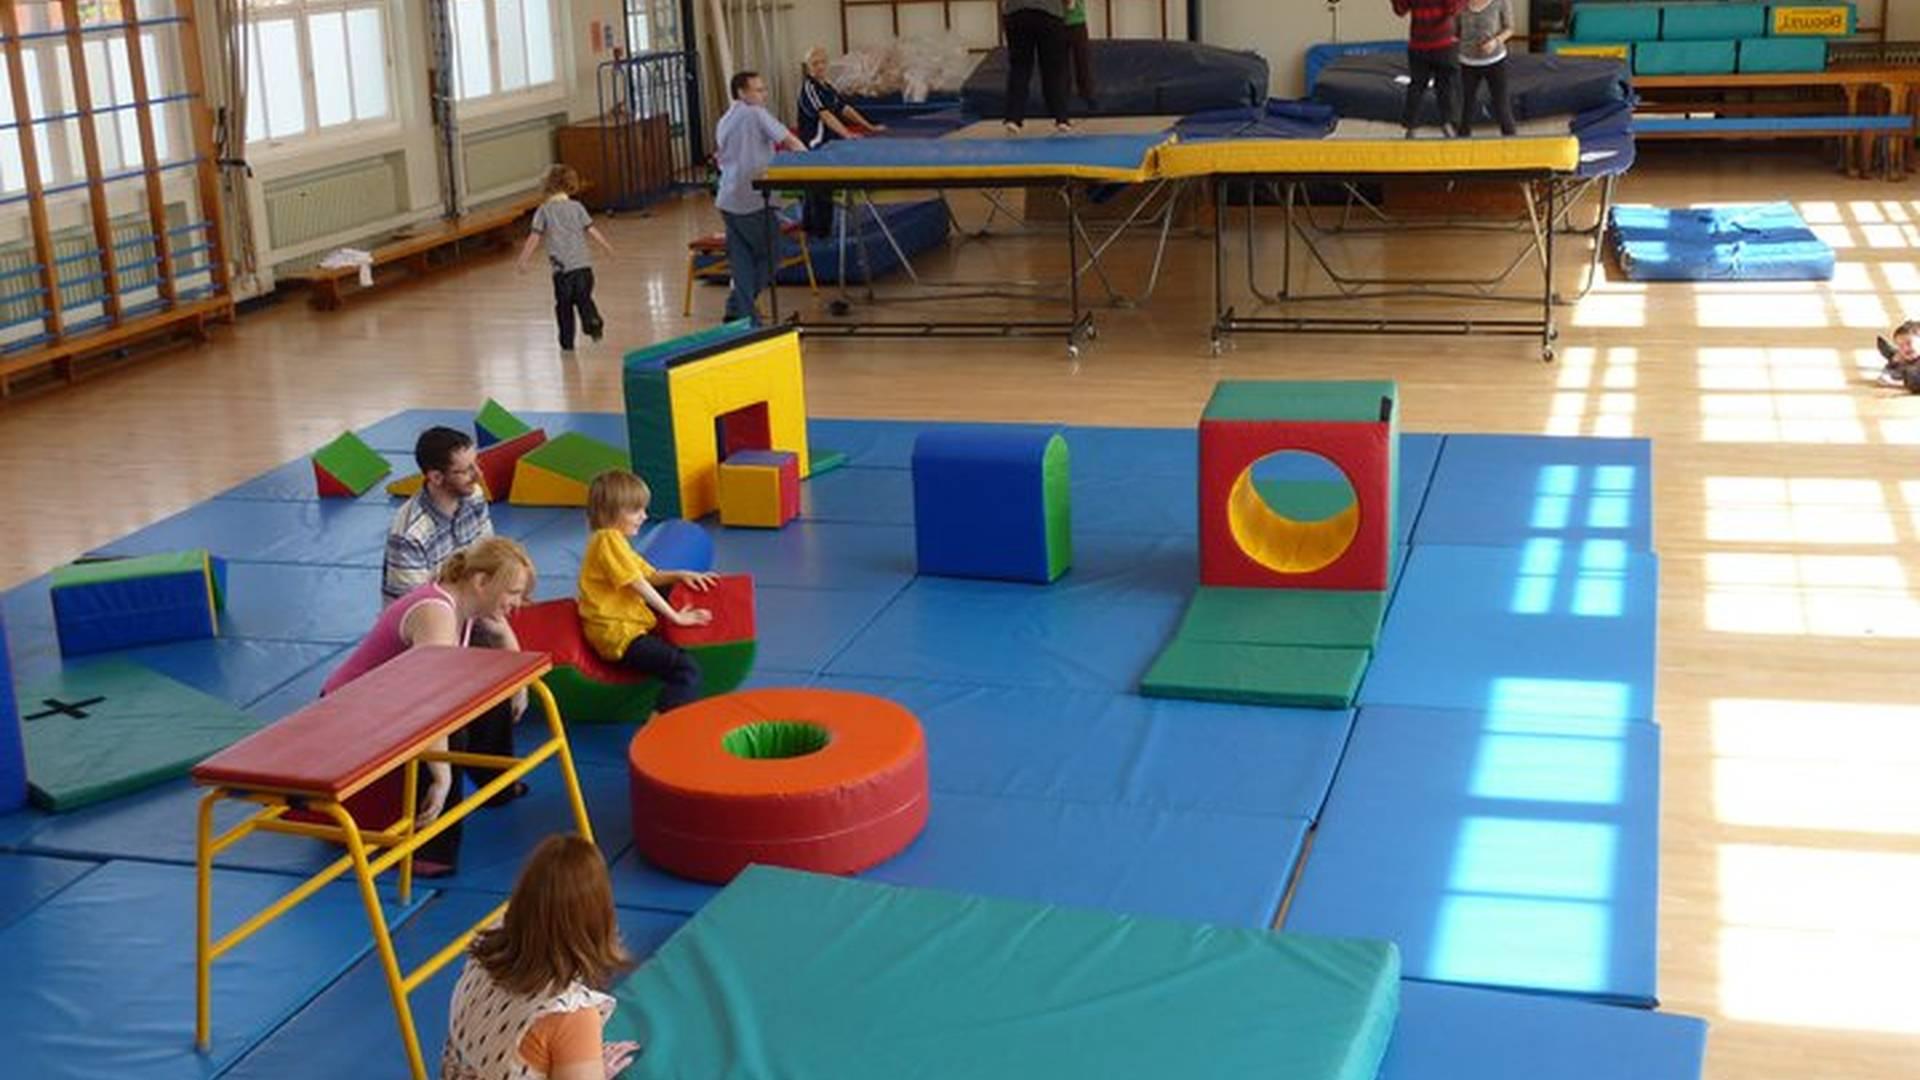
(1432, 44)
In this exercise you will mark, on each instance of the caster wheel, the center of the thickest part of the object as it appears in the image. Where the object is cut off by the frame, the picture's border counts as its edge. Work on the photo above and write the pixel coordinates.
(839, 307)
(1073, 352)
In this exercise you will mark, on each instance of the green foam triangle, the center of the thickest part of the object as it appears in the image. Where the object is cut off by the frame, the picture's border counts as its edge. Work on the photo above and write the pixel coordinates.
(494, 420)
(352, 462)
(577, 457)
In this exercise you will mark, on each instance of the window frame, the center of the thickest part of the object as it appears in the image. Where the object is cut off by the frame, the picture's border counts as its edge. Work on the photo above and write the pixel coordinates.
(496, 100)
(313, 135)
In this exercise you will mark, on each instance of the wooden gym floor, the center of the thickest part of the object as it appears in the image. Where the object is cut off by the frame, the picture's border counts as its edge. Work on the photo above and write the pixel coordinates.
(1787, 517)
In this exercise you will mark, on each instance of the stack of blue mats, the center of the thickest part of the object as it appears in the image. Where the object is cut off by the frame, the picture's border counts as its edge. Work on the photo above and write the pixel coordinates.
(916, 227)
(1277, 119)
(1761, 242)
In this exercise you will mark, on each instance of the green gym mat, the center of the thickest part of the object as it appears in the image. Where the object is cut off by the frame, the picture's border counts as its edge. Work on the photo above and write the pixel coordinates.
(1320, 678)
(1320, 617)
(101, 730)
(801, 975)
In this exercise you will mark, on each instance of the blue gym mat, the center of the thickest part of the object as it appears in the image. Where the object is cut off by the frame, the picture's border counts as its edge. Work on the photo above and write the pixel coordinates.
(1509, 850)
(1504, 490)
(397, 433)
(1565, 628)
(258, 607)
(1091, 747)
(1752, 242)
(1449, 1032)
(331, 533)
(859, 495)
(111, 957)
(27, 881)
(235, 670)
(1130, 859)
(349, 1029)
(294, 482)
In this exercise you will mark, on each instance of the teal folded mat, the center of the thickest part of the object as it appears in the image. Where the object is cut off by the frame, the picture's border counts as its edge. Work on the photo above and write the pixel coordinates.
(1616, 22)
(1783, 54)
(1684, 57)
(799, 975)
(1712, 21)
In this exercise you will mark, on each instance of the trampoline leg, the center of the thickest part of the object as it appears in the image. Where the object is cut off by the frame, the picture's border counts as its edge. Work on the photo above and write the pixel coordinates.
(1073, 270)
(1547, 332)
(1219, 264)
(772, 235)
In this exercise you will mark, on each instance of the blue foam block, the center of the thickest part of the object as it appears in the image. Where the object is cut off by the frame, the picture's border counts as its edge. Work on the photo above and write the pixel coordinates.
(27, 881)
(1557, 627)
(1759, 242)
(1094, 747)
(676, 544)
(1504, 490)
(1096, 628)
(1131, 859)
(980, 503)
(114, 1008)
(859, 495)
(1496, 849)
(329, 533)
(13, 753)
(1446, 1032)
(107, 616)
(349, 1029)
(292, 602)
(294, 482)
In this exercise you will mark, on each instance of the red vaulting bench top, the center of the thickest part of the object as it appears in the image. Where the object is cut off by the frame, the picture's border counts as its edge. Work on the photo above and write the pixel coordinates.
(339, 743)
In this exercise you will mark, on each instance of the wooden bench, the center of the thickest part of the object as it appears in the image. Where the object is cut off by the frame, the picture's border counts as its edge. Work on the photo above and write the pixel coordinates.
(188, 317)
(1890, 132)
(317, 758)
(417, 250)
(1866, 90)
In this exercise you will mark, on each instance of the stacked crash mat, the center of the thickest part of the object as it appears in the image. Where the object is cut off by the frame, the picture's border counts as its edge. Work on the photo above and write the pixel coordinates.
(1373, 86)
(1750, 242)
(1708, 37)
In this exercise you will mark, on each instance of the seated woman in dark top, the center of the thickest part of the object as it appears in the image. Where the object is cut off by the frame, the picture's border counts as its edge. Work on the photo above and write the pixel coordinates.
(823, 118)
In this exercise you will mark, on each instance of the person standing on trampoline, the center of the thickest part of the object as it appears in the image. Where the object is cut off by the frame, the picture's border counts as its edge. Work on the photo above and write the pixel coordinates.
(1485, 26)
(1080, 45)
(1432, 41)
(1037, 27)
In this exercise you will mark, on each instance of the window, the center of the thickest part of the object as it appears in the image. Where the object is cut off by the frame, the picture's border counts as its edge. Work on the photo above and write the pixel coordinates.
(502, 46)
(338, 48)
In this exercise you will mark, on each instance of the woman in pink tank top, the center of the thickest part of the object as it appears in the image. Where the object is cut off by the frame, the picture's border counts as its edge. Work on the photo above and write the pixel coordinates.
(487, 580)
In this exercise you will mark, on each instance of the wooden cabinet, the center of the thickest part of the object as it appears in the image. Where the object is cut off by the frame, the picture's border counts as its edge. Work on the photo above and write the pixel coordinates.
(621, 161)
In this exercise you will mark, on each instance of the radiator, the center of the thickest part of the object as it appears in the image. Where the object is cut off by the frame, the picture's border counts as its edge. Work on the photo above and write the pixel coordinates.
(334, 201)
(511, 157)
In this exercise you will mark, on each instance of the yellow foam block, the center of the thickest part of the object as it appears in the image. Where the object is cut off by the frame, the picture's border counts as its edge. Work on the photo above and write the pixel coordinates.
(766, 371)
(1825, 20)
(1368, 156)
(750, 496)
(535, 486)
(405, 487)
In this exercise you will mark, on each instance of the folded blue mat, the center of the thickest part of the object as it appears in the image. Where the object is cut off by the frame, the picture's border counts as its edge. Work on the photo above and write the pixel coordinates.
(1449, 1032)
(1757, 242)
(1496, 849)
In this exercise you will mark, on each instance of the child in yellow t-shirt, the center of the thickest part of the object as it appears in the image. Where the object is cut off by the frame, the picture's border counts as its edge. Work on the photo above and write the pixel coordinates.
(620, 593)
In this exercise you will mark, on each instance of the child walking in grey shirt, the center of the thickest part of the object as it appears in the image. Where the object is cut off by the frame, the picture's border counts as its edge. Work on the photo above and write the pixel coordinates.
(565, 225)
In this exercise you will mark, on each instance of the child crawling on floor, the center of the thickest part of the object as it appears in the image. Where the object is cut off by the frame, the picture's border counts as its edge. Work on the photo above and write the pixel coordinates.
(1902, 355)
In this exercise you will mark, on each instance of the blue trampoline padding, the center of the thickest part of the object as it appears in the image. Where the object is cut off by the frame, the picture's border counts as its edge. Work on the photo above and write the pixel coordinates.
(1606, 154)
(1506, 490)
(1497, 849)
(294, 482)
(27, 881)
(290, 602)
(803, 629)
(1097, 157)
(1230, 869)
(397, 433)
(13, 754)
(859, 495)
(1564, 628)
(1094, 747)
(323, 533)
(924, 982)
(105, 1003)
(1096, 628)
(349, 1030)
(1445, 1032)
(1756, 242)
(1277, 119)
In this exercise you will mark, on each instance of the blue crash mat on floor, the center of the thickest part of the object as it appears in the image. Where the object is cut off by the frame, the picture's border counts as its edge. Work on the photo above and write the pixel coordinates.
(320, 533)
(1557, 627)
(112, 962)
(804, 629)
(1753, 242)
(396, 434)
(1130, 859)
(349, 1030)
(1093, 747)
(1505, 849)
(1447, 1032)
(289, 602)
(235, 670)
(1504, 490)
(27, 881)
(294, 482)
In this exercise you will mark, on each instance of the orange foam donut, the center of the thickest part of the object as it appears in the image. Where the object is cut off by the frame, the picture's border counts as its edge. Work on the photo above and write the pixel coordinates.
(841, 784)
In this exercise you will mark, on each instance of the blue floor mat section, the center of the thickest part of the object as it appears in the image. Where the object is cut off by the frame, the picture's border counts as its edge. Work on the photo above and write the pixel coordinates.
(1511, 850)
(112, 961)
(1507, 490)
(397, 433)
(1207, 867)
(1565, 628)
(1752, 242)
(27, 881)
(294, 482)
(349, 1030)
(333, 533)
(1447, 1032)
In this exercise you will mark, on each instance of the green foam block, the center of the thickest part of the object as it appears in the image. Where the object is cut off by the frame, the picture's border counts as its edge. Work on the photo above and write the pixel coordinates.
(1320, 617)
(352, 463)
(821, 461)
(802, 975)
(577, 457)
(1303, 675)
(495, 424)
(99, 571)
(1057, 507)
(584, 701)
(1343, 401)
(134, 728)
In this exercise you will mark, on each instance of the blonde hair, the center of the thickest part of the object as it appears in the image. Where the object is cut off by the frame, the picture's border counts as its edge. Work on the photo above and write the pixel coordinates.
(561, 180)
(559, 926)
(613, 493)
(1910, 328)
(489, 556)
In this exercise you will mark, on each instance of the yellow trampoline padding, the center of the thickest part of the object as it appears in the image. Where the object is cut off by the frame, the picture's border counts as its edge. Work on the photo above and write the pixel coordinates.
(1280, 543)
(1367, 156)
(1059, 171)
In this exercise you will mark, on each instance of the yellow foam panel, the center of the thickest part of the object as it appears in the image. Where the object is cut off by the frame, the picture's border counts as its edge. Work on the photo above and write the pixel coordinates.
(1368, 156)
(535, 486)
(763, 371)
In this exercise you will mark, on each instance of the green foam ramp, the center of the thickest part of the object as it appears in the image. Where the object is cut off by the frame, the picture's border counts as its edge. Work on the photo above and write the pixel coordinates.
(101, 730)
(1354, 401)
(576, 456)
(1320, 617)
(1303, 675)
(352, 465)
(583, 700)
(493, 423)
(928, 983)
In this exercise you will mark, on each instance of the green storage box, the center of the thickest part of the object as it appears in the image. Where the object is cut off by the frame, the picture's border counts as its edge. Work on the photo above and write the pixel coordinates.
(1812, 19)
(1783, 54)
(1685, 57)
(1616, 22)
(1712, 22)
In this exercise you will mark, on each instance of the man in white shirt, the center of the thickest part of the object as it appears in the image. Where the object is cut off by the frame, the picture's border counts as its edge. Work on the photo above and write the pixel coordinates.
(745, 141)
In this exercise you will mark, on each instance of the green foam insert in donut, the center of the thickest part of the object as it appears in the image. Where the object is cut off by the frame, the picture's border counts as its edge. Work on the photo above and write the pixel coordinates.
(769, 739)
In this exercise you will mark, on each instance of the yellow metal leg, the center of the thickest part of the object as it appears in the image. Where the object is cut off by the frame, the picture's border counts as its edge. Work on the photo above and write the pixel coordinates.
(409, 802)
(383, 941)
(203, 925)
(559, 730)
